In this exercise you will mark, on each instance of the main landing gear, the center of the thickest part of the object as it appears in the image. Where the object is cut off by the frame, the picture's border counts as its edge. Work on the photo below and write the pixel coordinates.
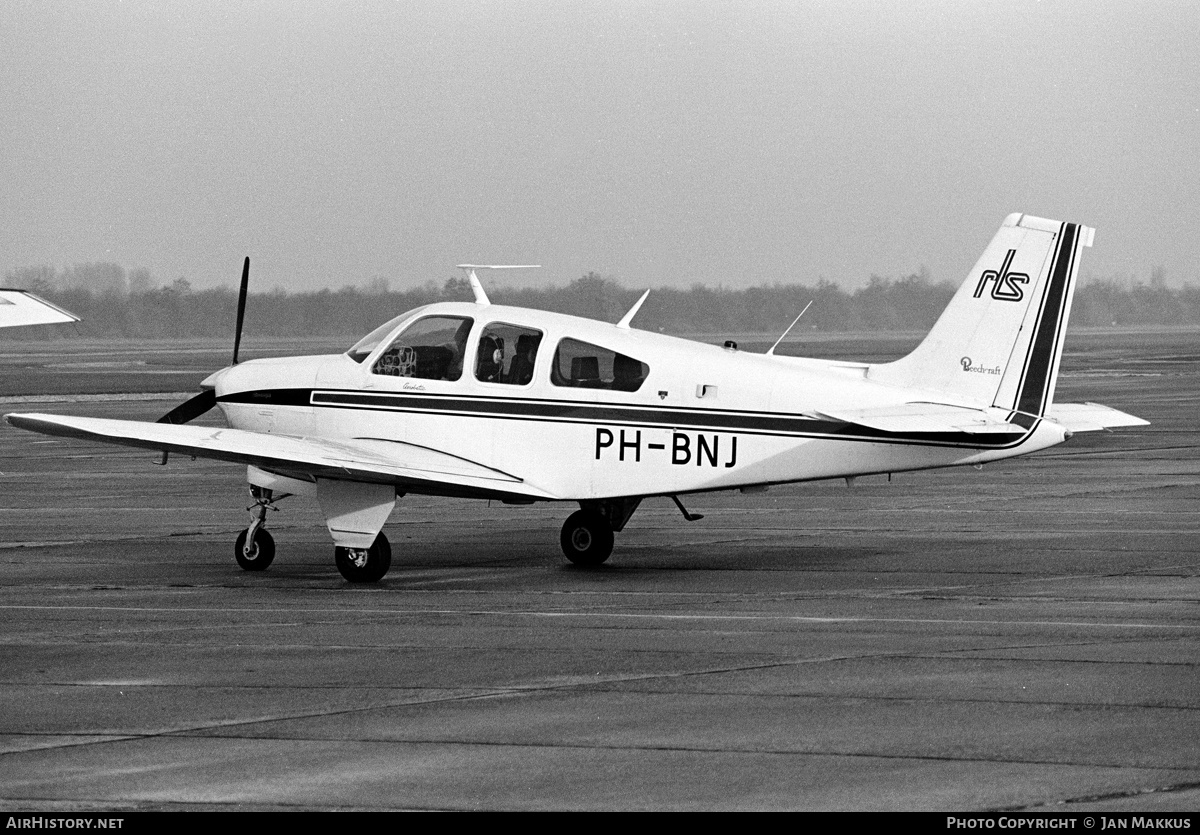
(364, 565)
(354, 514)
(587, 538)
(588, 534)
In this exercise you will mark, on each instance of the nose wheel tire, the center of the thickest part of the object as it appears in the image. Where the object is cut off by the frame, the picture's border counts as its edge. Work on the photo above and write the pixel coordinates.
(364, 565)
(587, 538)
(256, 554)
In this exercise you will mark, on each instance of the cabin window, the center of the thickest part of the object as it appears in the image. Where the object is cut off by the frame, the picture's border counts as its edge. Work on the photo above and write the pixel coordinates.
(583, 365)
(429, 349)
(506, 354)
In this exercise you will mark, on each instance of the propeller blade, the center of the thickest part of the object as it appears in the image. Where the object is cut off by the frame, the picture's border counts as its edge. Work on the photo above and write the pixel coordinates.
(191, 409)
(241, 309)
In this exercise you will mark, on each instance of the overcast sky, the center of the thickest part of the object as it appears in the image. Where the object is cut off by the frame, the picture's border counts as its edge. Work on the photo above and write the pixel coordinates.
(656, 143)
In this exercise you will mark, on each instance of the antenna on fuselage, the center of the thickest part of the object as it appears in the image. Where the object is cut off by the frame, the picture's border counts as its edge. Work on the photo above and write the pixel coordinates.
(477, 288)
(628, 317)
(771, 350)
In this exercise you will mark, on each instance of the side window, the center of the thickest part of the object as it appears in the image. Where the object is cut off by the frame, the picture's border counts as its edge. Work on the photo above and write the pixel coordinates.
(506, 354)
(583, 365)
(430, 349)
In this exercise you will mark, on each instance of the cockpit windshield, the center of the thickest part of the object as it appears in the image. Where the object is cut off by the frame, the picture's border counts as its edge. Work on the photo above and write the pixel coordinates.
(363, 348)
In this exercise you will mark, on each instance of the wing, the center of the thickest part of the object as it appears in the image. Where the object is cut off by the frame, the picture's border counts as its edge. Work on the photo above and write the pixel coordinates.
(19, 307)
(415, 469)
(1091, 417)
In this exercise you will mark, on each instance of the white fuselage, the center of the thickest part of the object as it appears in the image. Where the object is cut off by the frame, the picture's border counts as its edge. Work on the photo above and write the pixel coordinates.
(703, 418)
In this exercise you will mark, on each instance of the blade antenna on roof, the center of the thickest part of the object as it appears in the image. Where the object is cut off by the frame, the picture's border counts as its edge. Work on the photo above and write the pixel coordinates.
(477, 288)
(628, 317)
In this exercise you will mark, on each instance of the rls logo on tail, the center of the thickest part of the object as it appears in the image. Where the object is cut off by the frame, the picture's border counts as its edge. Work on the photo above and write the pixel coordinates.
(1006, 286)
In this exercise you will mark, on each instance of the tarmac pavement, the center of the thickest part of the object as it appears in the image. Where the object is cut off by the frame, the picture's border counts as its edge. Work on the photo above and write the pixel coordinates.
(1023, 637)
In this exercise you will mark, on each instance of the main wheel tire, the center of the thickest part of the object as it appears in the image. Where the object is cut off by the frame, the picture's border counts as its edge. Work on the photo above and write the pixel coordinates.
(257, 555)
(364, 565)
(587, 538)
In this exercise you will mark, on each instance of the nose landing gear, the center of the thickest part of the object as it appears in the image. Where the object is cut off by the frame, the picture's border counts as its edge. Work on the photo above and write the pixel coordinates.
(254, 551)
(255, 547)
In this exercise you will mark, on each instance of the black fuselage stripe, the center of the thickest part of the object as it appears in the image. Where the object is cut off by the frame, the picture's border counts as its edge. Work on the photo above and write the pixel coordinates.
(643, 417)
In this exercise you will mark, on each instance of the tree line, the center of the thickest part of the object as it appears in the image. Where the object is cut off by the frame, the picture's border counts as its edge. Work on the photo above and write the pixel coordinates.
(113, 302)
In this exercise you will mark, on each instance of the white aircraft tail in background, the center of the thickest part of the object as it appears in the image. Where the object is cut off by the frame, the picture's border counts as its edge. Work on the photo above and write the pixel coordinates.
(486, 401)
(19, 308)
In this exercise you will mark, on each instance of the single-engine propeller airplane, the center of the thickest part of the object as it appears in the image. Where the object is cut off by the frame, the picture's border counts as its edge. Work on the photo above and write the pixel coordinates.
(477, 400)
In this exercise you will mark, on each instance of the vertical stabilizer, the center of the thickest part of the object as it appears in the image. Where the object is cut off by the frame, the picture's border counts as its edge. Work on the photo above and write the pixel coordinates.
(999, 341)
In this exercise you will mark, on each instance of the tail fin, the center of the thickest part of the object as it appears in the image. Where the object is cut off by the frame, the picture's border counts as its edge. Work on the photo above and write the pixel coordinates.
(999, 341)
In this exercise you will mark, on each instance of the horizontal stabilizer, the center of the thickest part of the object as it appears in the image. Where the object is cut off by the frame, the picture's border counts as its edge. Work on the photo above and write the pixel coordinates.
(417, 469)
(924, 417)
(1091, 417)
